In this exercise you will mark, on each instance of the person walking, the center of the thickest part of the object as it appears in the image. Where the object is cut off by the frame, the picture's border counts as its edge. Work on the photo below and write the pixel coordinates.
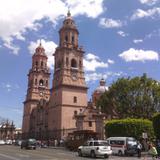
(139, 149)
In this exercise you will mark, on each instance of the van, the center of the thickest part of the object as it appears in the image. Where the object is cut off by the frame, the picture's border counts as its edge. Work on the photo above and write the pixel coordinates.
(123, 145)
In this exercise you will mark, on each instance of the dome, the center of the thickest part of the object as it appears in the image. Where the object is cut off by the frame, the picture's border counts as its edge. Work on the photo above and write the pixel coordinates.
(69, 22)
(40, 50)
(102, 87)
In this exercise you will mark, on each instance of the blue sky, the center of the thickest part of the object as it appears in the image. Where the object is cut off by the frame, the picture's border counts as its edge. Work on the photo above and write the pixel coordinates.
(121, 39)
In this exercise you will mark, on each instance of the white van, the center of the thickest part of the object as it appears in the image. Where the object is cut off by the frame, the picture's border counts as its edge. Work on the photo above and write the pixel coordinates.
(123, 145)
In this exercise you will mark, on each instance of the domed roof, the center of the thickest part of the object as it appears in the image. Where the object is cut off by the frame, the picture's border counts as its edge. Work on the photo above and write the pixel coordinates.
(40, 50)
(102, 88)
(69, 22)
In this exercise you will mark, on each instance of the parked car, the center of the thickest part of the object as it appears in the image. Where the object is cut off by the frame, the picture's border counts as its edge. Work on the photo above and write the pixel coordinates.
(123, 145)
(8, 141)
(2, 142)
(29, 144)
(95, 148)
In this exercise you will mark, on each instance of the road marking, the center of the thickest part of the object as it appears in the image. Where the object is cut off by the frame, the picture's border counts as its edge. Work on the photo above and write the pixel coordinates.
(12, 158)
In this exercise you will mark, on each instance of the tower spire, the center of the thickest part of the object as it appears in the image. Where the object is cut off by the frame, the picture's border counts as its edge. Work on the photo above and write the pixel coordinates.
(40, 43)
(69, 13)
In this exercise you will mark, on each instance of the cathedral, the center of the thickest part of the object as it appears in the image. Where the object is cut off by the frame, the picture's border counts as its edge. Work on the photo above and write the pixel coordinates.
(56, 112)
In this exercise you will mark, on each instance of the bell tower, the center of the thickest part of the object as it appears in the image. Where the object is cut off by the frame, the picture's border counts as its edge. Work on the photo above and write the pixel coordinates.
(69, 90)
(38, 86)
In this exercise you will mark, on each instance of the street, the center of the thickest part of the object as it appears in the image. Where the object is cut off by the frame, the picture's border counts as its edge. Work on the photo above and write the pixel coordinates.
(15, 153)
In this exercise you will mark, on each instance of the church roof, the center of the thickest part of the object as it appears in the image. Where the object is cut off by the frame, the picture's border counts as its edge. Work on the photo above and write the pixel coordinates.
(102, 87)
(69, 22)
(40, 50)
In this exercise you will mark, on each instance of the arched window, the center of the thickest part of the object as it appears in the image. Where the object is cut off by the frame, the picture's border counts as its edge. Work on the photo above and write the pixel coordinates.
(46, 82)
(41, 82)
(35, 81)
(66, 38)
(75, 112)
(42, 64)
(73, 63)
(74, 99)
(72, 39)
(90, 123)
(67, 62)
(36, 63)
(80, 63)
(59, 64)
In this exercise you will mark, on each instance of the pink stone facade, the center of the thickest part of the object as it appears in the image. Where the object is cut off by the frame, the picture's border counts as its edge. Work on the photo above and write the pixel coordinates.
(50, 113)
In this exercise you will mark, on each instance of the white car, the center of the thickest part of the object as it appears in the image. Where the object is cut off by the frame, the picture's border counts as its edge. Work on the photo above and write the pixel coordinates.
(9, 142)
(95, 148)
(2, 142)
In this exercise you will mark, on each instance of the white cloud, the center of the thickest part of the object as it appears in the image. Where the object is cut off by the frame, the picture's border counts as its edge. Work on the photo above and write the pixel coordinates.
(12, 47)
(154, 33)
(91, 77)
(139, 55)
(9, 87)
(110, 23)
(110, 61)
(95, 76)
(49, 47)
(92, 62)
(91, 56)
(138, 40)
(123, 34)
(148, 2)
(139, 13)
(19, 15)
(90, 8)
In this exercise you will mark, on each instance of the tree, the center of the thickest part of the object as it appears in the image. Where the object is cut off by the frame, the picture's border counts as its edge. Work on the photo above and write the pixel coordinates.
(156, 124)
(137, 97)
(129, 128)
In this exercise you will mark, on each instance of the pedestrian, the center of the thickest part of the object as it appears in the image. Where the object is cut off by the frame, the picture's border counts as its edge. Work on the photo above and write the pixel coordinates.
(55, 143)
(61, 142)
(158, 147)
(139, 149)
(153, 151)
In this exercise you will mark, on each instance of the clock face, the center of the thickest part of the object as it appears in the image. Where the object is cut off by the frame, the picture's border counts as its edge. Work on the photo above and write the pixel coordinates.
(74, 76)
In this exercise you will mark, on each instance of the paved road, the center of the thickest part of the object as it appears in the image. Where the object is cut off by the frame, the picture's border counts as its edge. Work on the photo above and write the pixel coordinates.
(15, 153)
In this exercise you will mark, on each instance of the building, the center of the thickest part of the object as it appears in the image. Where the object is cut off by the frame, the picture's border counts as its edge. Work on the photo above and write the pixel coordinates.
(18, 134)
(50, 113)
(7, 130)
(69, 90)
(90, 118)
(102, 88)
(38, 92)
(99, 91)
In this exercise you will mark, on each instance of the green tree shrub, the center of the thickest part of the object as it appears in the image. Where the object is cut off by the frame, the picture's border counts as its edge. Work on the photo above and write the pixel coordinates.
(129, 128)
(137, 97)
(156, 124)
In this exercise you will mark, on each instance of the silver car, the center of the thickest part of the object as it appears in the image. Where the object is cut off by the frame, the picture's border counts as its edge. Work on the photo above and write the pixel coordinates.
(2, 142)
(95, 148)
